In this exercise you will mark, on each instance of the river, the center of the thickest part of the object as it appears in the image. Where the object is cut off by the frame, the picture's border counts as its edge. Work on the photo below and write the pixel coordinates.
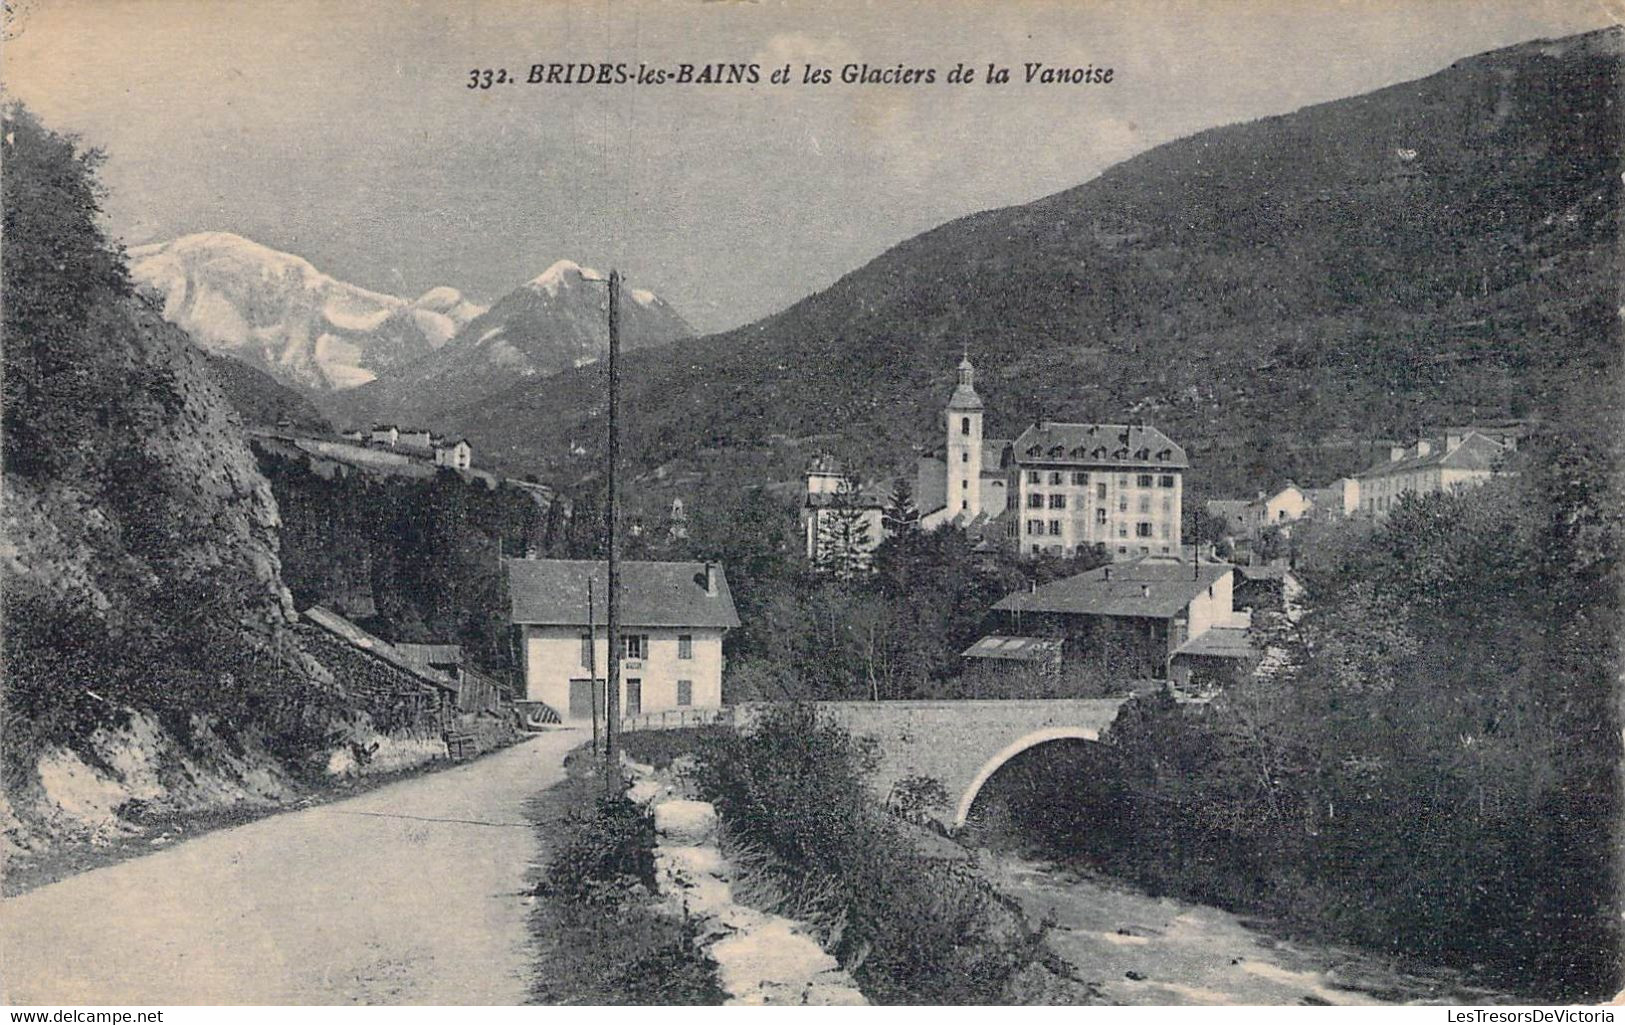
(1139, 949)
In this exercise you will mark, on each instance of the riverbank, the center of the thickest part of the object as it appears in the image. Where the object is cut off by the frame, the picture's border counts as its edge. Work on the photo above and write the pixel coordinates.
(1138, 949)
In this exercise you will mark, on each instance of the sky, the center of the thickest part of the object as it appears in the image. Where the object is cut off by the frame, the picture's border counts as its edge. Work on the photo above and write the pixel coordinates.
(345, 131)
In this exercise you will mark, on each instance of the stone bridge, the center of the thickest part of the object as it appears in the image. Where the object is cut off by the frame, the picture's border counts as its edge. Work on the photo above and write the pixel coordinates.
(962, 743)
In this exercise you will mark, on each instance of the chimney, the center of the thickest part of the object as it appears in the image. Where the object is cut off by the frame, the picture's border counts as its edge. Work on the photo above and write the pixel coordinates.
(710, 580)
(1396, 453)
(1424, 448)
(1452, 441)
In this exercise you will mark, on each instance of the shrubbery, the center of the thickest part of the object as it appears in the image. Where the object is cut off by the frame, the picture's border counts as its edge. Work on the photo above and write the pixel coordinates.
(914, 929)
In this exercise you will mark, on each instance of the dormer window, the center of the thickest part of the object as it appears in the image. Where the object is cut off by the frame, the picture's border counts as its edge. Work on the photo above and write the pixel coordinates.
(1035, 450)
(1057, 450)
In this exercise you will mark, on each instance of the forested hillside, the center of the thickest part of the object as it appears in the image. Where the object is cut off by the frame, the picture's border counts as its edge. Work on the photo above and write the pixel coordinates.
(415, 559)
(1269, 294)
(146, 621)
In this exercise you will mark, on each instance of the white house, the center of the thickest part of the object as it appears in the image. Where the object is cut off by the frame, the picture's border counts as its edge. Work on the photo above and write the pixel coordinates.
(413, 437)
(837, 510)
(455, 453)
(385, 434)
(1461, 461)
(673, 618)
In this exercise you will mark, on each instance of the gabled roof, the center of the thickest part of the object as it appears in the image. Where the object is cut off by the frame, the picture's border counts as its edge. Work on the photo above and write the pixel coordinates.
(380, 649)
(1141, 588)
(553, 592)
(1219, 642)
(1475, 452)
(1015, 649)
(1098, 445)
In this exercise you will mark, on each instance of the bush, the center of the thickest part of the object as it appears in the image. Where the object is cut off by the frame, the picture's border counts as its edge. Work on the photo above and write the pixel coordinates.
(607, 848)
(914, 929)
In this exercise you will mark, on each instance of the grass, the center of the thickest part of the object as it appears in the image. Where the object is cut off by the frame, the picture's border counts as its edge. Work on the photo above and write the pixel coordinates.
(600, 933)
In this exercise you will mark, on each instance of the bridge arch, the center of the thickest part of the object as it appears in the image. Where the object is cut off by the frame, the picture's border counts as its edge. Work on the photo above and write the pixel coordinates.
(1016, 747)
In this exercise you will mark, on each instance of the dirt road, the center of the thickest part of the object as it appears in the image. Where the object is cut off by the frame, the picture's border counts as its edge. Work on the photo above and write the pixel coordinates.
(409, 894)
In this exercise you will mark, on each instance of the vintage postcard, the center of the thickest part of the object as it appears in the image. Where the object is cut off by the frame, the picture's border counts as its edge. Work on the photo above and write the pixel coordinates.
(876, 502)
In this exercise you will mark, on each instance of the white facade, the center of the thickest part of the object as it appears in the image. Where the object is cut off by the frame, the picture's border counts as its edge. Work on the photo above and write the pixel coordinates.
(458, 455)
(660, 679)
(1132, 511)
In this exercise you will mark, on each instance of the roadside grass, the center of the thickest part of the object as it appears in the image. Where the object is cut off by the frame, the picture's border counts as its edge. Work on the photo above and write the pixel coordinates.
(600, 934)
(914, 924)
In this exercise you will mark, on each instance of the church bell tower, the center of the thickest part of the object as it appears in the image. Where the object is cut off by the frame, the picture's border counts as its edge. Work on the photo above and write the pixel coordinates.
(964, 451)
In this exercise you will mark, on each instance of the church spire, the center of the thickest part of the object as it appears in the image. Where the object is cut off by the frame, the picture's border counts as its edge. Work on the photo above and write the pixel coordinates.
(965, 396)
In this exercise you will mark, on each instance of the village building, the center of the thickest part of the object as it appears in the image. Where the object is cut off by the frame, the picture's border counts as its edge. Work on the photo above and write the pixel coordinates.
(1058, 488)
(673, 616)
(413, 437)
(1138, 619)
(385, 434)
(406, 684)
(454, 452)
(1459, 460)
(841, 521)
(1081, 485)
(1249, 518)
(1338, 500)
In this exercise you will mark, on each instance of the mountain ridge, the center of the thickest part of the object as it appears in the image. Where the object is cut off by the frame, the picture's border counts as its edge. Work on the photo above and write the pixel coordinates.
(1270, 292)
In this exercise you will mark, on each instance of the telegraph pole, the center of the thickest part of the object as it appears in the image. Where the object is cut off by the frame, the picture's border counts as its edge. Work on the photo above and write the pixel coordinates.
(592, 664)
(612, 703)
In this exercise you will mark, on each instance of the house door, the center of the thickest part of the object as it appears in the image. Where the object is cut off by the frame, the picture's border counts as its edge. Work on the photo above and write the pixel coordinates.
(581, 695)
(634, 697)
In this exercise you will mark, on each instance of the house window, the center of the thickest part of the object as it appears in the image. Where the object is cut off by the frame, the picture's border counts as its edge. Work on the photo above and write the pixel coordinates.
(1100, 491)
(1034, 477)
(1122, 503)
(1080, 479)
(1142, 529)
(586, 649)
(1165, 534)
(964, 457)
(1122, 550)
(964, 503)
(685, 645)
(636, 646)
(1100, 516)
(1035, 526)
(1057, 501)
(685, 692)
(1166, 480)
(964, 485)
(1055, 476)
(964, 425)
(1035, 500)
(1144, 480)
(1122, 480)
(1167, 505)
(1122, 531)
(1036, 549)
(1145, 503)
(1055, 528)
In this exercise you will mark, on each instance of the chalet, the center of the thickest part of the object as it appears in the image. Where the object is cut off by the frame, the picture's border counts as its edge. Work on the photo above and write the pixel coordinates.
(1130, 618)
(385, 434)
(413, 437)
(673, 617)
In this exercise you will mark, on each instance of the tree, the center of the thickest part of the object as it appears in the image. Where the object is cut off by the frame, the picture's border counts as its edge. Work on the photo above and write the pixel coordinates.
(901, 516)
(843, 546)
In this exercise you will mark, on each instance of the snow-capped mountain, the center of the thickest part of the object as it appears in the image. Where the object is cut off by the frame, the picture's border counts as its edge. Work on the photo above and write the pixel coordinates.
(551, 323)
(276, 311)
